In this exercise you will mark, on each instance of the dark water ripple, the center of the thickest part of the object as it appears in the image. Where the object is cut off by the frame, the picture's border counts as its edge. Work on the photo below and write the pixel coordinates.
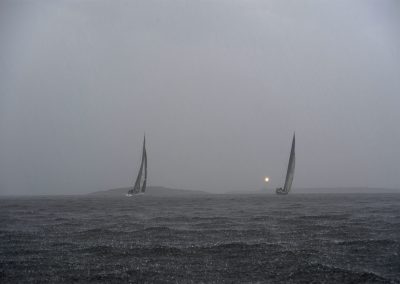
(212, 239)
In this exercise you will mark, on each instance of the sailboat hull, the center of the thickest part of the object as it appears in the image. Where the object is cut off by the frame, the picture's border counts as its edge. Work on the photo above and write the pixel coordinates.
(279, 191)
(133, 195)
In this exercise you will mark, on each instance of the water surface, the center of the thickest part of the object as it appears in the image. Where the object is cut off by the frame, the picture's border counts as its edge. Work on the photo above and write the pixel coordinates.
(299, 238)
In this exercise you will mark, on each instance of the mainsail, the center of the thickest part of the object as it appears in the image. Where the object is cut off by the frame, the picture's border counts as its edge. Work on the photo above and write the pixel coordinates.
(290, 171)
(140, 186)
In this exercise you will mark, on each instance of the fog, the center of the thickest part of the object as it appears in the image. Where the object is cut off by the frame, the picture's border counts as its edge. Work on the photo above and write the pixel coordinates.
(218, 87)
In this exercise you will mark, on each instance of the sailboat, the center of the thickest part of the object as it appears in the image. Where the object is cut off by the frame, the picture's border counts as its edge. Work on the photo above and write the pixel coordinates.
(140, 186)
(290, 172)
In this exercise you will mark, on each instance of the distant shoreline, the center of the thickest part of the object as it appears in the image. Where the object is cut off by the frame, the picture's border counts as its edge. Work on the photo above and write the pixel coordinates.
(164, 191)
(325, 190)
(159, 190)
(151, 191)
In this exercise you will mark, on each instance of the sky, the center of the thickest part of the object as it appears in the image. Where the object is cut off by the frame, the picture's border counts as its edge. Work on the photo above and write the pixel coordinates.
(219, 88)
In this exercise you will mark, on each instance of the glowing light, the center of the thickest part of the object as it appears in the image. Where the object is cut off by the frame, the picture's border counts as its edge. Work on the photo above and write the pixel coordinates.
(266, 179)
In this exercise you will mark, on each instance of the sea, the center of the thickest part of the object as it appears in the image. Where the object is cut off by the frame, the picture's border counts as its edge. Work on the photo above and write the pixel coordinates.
(227, 238)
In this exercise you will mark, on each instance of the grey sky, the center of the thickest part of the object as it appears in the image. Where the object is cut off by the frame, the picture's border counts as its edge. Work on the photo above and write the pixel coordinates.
(218, 86)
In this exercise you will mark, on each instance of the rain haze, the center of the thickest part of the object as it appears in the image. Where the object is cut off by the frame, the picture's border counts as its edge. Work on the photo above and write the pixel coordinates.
(218, 87)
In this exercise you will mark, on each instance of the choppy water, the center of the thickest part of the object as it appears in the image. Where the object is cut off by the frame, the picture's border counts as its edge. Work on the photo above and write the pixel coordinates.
(226, 238)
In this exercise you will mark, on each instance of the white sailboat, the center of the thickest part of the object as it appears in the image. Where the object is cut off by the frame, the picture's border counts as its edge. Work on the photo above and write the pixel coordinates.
(290, 172)
(140, 185)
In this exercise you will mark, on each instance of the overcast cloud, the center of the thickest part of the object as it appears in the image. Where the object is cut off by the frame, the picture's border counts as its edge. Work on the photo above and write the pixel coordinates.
(219, 87)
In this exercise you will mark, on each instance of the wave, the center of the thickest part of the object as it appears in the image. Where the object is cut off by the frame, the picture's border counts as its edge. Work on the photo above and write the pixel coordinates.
(188, 219)
(158, 229)
(132, 250)
(371, 242)
(324, 216)
(239, 246)
(332, 274)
